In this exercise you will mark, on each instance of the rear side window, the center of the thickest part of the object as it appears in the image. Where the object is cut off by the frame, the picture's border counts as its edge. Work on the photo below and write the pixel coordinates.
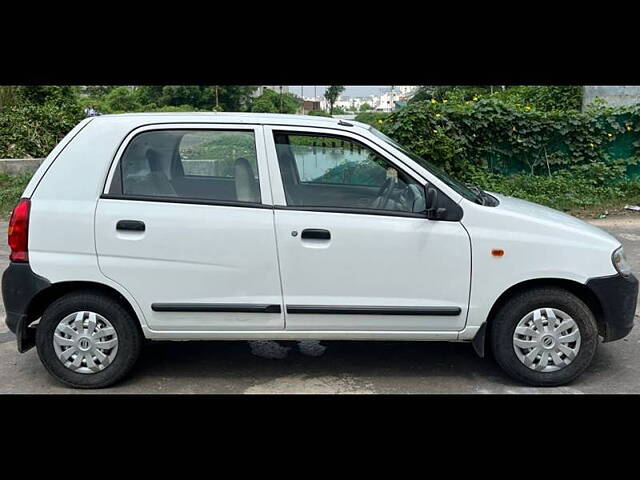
(213, 153)
(192, 164)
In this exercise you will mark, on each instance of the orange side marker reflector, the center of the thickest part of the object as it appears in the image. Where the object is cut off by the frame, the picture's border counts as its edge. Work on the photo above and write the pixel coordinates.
(497, 252)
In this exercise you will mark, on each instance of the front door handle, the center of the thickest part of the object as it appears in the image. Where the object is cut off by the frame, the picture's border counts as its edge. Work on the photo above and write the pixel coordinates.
(132, 225)
(316, 234)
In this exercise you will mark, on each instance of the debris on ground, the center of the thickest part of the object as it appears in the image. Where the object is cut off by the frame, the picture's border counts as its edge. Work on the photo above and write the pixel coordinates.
(633, 208)
(604, 214)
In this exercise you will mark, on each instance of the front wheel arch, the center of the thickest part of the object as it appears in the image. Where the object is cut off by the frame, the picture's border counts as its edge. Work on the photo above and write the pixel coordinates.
(578, 289)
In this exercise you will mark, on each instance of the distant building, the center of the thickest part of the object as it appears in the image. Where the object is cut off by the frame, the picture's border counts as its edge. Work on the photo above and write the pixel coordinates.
(308, 105)
(386, 101)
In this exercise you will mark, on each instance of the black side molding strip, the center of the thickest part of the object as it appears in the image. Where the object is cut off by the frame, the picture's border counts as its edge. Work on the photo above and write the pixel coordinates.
(215, 307)
(360, 310)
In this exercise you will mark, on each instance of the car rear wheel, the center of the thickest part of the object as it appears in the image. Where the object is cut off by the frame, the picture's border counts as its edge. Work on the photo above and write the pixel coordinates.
(544, 337)
(88, 340)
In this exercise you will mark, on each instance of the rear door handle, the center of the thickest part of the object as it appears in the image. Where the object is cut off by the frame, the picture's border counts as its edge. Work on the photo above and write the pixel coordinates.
(316, 234)
(132, 225)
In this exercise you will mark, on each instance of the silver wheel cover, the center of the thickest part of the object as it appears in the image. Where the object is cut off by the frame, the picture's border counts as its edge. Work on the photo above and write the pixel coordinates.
(85, 342)
(546, 340)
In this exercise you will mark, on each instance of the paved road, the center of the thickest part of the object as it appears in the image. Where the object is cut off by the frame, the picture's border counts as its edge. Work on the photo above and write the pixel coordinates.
(332, 367)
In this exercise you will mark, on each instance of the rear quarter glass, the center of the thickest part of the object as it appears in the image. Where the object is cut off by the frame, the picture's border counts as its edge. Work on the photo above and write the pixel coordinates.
(44, 166)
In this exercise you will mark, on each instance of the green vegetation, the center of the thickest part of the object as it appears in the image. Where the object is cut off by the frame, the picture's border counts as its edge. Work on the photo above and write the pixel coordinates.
(375, 119)
(150, 98)
(331, 94)
(33, 119)
(11, 187)
(531, 142)
(275, 102)
(544, 98)
(563, 190)
(318, 113)
(562, 158)
(32, 130)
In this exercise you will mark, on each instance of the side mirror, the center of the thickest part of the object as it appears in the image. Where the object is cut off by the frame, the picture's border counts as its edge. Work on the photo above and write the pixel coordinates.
(432, 211)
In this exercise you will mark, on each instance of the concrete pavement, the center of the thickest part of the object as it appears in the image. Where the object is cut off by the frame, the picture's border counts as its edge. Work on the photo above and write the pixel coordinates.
(332, 367)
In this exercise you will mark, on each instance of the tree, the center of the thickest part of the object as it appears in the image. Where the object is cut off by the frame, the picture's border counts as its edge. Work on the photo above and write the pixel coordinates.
(234, 98)
(274, 102)
(60, 95)
(149, 94)
(201, 97)
(98, 91)
(332, 94)
(122, 99)
(365, 107)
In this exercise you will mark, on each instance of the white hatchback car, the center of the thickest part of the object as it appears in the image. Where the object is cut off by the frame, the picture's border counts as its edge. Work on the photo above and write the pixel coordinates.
(254, 226)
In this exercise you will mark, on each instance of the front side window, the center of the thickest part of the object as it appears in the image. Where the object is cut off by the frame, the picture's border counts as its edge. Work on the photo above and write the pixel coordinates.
(332, 171)
(454, 184)
(192, 164)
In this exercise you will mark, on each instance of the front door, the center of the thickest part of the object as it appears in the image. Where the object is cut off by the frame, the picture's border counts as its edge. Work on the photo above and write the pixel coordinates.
(356, 251)
(186, 226)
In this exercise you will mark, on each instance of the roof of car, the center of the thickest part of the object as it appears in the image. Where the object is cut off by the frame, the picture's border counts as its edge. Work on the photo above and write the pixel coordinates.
(240, 117)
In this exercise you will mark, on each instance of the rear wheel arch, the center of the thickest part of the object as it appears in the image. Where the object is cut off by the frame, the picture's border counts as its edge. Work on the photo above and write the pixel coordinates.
(46, 297)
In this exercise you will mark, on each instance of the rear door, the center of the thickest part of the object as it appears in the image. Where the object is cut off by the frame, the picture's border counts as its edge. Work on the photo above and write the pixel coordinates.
(186, 226)
(355, 247)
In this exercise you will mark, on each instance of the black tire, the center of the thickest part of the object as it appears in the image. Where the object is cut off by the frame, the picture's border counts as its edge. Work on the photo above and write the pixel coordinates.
(129, 339)
(503, 326)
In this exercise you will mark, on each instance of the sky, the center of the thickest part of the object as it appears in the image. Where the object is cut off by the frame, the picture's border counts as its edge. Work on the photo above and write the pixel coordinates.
(350, 90)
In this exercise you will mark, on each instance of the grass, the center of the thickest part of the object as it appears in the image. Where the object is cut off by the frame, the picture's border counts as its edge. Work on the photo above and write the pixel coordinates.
(11, 188)
(574, 194)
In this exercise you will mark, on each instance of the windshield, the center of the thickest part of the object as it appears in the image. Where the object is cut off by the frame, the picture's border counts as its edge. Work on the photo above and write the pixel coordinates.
(459, 187)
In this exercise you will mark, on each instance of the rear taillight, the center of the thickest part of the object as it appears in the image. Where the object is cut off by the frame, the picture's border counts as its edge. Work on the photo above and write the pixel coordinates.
(19, 231)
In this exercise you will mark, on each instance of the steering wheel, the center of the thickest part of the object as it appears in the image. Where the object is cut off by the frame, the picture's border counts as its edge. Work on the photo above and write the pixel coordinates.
(385, 192)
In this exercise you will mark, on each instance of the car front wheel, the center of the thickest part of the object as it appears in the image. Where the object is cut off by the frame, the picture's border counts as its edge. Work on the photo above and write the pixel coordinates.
(544, 337)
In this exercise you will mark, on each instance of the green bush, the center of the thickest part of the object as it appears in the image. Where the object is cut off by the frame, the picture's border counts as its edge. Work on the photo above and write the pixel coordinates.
(319, 113)
(31, 130)
(375, 119)
(563, 159)
(64, 96)
(450, 93)
(11, 188)
(507, 139)
(544, 98)
(275, 102)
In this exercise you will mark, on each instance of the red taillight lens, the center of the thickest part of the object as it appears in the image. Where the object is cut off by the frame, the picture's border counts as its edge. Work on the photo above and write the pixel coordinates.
(19, 231)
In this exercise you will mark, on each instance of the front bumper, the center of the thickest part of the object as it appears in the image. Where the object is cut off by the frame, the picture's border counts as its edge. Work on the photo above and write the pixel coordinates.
(618, 296)
(19, 287)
